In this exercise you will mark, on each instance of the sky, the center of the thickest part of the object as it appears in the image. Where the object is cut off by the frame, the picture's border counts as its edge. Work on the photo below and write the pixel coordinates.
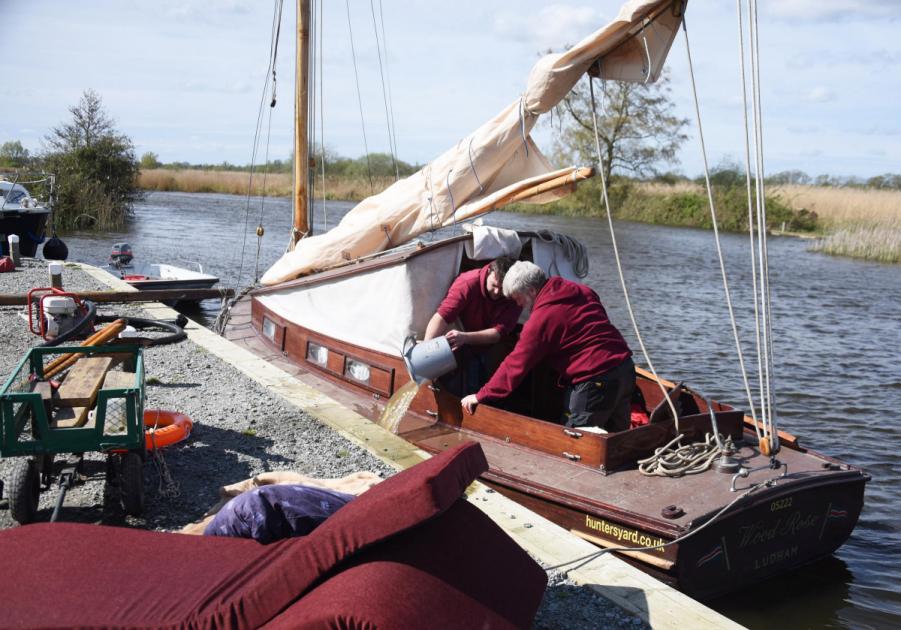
(183, 78)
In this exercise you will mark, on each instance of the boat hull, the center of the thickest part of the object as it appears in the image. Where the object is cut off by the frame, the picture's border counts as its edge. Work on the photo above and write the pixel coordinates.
(584, 483)
(28, 225)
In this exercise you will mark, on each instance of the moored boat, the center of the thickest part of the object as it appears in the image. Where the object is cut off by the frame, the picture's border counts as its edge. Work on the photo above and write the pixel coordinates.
(334, 312)
(781, 516)
(155, 276)
(22, 215)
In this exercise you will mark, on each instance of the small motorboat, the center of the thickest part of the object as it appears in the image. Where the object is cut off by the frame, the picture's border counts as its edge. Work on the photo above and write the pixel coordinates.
(23, 215)
(156, 276)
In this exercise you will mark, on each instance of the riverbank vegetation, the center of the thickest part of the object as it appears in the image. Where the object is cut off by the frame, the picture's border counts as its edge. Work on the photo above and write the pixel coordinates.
(854, 220)
(272, 184)
(95, 167)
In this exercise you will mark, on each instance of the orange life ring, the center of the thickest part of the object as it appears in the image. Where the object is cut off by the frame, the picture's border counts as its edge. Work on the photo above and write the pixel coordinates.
(164, 428)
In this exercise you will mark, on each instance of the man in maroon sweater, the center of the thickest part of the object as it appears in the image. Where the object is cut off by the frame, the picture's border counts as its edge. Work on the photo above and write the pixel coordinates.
(476, 299)
(569, 329)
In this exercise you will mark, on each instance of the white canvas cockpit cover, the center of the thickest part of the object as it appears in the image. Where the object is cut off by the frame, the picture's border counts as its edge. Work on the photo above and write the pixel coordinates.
(376, 309)
(498, 154)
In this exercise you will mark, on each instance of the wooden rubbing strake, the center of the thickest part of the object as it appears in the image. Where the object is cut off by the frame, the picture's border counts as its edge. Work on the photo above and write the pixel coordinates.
(83, 381)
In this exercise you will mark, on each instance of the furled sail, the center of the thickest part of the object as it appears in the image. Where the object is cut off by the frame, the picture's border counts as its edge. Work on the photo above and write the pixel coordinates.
(497, 156)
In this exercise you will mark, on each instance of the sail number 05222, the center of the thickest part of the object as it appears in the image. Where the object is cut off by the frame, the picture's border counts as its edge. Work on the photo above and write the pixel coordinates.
(780, 504)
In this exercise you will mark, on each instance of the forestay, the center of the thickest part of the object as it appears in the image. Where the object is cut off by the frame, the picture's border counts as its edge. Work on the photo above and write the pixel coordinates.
(500, 155)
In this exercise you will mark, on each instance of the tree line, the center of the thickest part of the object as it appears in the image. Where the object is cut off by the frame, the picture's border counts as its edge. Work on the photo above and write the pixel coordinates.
(373, 164)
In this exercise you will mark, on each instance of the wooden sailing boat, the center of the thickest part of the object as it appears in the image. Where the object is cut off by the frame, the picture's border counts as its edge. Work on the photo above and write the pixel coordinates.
(336, 309)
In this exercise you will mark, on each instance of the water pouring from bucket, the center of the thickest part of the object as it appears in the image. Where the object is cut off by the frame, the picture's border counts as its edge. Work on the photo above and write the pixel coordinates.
(428, 360)
(425, 361)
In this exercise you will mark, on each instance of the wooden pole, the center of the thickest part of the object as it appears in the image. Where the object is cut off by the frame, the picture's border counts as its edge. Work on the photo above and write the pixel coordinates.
(113, 297)
(302, 225)
(97, 339)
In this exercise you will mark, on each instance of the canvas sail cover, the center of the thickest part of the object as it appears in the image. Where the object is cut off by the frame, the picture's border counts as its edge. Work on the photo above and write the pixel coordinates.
(498, 156)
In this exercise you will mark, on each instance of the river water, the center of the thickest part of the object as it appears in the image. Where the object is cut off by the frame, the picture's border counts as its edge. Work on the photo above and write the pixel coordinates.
(836, 340)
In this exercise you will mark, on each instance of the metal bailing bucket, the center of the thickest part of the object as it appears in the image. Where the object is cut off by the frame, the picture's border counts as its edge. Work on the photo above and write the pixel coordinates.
(428, 360)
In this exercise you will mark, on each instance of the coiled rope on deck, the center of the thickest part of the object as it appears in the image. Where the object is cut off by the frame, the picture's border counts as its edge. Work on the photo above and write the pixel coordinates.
(689, 459)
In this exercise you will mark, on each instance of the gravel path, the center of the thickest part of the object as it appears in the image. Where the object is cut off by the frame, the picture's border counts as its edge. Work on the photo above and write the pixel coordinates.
(240, 430)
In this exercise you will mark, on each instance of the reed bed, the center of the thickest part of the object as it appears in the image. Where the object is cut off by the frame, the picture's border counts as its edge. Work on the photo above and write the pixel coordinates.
(264, 184)
(843, 206)
(879, 242)
(860, 223)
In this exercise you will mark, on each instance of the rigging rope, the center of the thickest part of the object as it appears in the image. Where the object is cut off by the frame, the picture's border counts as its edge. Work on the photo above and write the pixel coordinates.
(321, 66)
(378, 49)
(713, 217)
(619, 266)
(270, 71)
(388, 80)
(763, 260)
(353, 55)
(744, 96)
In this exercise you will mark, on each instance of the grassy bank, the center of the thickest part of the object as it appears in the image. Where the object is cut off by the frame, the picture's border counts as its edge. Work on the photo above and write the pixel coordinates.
(271, 184)
(857, 222)
(682, 204)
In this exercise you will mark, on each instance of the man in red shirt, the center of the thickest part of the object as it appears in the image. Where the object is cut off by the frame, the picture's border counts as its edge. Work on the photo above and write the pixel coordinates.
(476, 299)
(569, 329)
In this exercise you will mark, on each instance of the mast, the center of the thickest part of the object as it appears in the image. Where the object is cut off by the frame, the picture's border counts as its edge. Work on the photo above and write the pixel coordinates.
(302, 224)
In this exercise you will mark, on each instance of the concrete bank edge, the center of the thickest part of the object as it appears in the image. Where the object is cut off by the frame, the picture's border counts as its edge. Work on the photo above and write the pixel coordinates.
(656, 603)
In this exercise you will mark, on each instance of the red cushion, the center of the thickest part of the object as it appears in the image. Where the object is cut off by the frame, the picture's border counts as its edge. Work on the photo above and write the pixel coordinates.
(64, 574)
(67, 575)
(459, 570)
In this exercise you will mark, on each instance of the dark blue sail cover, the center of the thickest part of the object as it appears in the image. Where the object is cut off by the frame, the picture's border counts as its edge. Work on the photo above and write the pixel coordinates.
(275, 512)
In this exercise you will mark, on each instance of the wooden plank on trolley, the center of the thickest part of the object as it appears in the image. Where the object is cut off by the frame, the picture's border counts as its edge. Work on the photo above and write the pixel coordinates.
(83, 382)
(70, 417)
(119, 380)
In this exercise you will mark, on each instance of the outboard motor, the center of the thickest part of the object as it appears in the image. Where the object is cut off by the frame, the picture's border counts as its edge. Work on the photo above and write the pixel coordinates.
(121, 255)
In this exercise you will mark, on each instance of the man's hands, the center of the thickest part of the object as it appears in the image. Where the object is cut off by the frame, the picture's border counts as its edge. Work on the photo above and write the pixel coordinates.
(469, 403)
(457, 338)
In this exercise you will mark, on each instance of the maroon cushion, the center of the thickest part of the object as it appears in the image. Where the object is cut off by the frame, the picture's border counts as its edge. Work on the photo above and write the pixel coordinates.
(84, 575)
(67, 575)
(459, 570)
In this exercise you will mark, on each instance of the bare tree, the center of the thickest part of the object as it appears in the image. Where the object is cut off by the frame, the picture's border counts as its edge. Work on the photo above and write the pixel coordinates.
(636, 127)
(89, 124)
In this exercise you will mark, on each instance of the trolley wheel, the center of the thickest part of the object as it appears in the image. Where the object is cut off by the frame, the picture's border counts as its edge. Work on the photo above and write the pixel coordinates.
(132, 483)
(24, 488)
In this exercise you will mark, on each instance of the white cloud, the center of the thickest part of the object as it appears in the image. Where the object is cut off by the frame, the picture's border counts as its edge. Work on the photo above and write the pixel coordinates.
(819, 94)
(549, 27)
(835, 9)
